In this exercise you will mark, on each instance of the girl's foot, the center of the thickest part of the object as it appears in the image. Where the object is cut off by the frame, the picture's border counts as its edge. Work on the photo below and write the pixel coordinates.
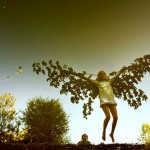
(103, 136)
(112, 138)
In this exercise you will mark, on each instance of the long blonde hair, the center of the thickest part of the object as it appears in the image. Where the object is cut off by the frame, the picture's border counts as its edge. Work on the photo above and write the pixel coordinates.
(102, 76)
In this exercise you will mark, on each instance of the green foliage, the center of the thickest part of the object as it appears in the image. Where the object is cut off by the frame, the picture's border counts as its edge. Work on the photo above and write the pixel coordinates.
(145, 134)
(7, 115)
(46, 120)
(124, 86)
(20, 132)
(71, 81)
(81, 88)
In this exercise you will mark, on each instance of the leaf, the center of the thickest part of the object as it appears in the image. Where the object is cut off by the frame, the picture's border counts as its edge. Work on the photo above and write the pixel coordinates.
(84, 72)
(70, 70)
(33, 65)
(65, 66)
(113, 73)
(90, 76)
(43, 71)
(44, 63)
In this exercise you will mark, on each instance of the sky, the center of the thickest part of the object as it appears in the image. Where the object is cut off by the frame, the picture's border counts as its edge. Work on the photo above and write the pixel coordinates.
(87, 35)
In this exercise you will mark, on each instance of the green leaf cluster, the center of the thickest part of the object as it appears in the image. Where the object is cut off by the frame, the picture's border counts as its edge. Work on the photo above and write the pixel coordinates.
(7, 116)
(70, 82)
(145, 133)
(124, 86)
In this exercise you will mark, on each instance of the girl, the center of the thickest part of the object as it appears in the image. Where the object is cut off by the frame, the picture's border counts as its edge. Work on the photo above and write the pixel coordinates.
(107, 101)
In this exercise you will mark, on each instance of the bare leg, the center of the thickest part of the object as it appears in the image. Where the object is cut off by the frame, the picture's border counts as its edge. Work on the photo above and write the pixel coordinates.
(105, 109)
(113, 111)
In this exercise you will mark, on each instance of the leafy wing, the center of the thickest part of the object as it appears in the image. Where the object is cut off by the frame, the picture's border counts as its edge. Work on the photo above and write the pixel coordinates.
(77, 84)
(124, 86)
(80, 87)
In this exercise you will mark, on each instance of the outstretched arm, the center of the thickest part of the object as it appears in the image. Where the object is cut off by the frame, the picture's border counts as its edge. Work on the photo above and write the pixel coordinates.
(124, 82)
(117, 75)
(79, 85)
(91, 81)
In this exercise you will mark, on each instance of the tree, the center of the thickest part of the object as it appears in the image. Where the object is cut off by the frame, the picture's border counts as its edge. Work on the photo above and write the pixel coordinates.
(81, 88)
(46, 120)
(20, 132)
(145, 134)
(7, 115)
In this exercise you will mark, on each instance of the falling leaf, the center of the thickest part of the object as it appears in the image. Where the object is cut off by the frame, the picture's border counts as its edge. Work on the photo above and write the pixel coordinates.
(19, 70)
